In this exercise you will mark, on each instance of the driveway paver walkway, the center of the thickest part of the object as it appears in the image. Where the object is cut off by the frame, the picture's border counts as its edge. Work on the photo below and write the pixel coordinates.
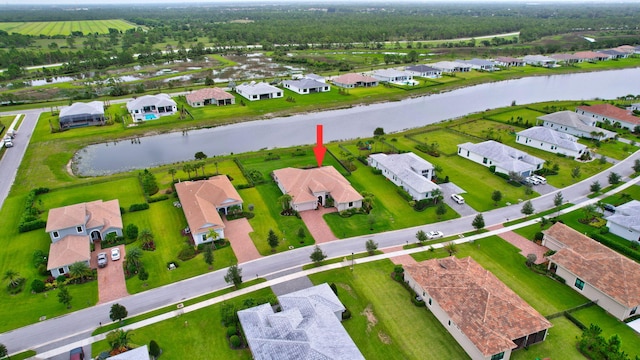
(317, 226)
(237, 231)
(400, 259)
(526, 246)
(111, 283)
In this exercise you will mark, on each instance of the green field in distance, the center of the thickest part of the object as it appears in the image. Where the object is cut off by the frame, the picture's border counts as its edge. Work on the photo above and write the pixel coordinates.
(51, 28)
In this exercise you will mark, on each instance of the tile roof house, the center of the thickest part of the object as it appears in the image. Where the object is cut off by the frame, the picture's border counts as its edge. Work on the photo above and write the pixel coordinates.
(592, 269)
(566, 58)
(486, 318)
(590, 56)
(258, 91)
(626, 221)
(72, 228)
(408, 171)
(508, 61)
(307, 328)
(151, 107)
(352, 80)
(315, 77)
(556, 142)
(540, 60)
(575, 124)
(306, 86)
(202, 202)
(612, 114)
(139, 353)
(82, 114)
(480, 64)
(451, 66)
(626, 49)
(423, 71)
(392, 75)
(505, 158)
(310, 188)
(613, 54)
(210, 96)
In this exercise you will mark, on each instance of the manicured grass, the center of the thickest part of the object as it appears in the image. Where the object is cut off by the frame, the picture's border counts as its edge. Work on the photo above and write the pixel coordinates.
(618, 199)
(128, 191)
(199, 334)
(447, 140)
(529, 116)
(395, 328)
(51, 28)
(611, 326)
(559, 344)
(611, 148)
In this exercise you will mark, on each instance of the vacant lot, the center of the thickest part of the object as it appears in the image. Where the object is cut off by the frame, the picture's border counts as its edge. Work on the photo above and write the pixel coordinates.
(51, 28)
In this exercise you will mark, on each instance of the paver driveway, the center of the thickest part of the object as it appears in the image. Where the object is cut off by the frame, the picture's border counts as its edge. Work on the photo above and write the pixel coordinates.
(526, 246)
(111, 284)
(237, 231)
(317, 226)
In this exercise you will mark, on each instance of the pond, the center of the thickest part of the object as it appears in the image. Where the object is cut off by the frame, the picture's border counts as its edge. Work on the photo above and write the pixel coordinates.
(360, 121)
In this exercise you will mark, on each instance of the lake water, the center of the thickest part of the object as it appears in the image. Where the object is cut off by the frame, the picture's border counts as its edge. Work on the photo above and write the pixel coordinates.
(350, 123)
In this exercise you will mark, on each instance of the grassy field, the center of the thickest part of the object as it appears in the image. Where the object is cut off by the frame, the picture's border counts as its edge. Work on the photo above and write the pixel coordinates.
(610, 326)
(52, 28)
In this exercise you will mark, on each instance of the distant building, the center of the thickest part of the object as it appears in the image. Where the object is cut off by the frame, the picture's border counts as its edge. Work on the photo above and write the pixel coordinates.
(575, 124)
(82, 114)
(408, 171)
(210, 96)
(607, 113)
(258, 91)
(151, 107)
(451, 66)
(392, 76)
(306, 86)
(480, 64)
(423, 71)
(556, 142)
(505, 158)
(626, 221)
(354, 80)
(540, 60)
(508, 61)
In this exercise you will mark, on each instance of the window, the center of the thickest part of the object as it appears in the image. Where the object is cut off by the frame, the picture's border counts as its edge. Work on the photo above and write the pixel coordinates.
(79, 229)
(61, 271)
(484, 160)
(204, 237)
(579, 284)
(633, 311)
(498, 356)
(56, 234)
(350, 204)
(429, 301)
(449, 323)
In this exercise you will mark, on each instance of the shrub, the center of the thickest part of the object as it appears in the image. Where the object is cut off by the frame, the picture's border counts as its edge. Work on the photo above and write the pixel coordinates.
(131, 231)
(376, 171)
(157, 198)
(149, 245)
(235, 341)
(41, 190)
(538, 236)
(187, 253)
(61, 279)
(37, 286)
(405, 195)
(346, 314)
(154, 349)
(232, 330)
(32, 225)
(42, 269)
(417, 301)
(138, 207)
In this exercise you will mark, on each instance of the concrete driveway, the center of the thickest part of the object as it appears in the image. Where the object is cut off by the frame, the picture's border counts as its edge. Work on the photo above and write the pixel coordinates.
(462, 209)
(316, 224)
(111, 284)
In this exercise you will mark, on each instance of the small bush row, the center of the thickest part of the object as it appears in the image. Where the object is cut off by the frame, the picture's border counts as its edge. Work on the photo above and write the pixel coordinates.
(138, 207)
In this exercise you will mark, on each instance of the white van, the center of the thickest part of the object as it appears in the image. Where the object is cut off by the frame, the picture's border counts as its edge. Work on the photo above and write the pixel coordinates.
(540, 179)
(457, 198)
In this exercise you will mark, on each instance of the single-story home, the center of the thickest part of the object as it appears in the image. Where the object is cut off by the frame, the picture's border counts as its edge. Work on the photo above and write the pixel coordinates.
(575, 124)
(202, 203)
(480, 64)
(353, 80)
(540, 60)
(481, 313)
(626, 221)
(613, 54)
(566, 58)
(308, 327)
(607, 113)
(139, 353)
(258, 91)
(600, 274)
(508, 61)
(310, 188)
(151, 107)
(546, 139)
(408, 171)
(451, 66)
(590, 56)
(306, 86)
(82, 114)
(210, 96)
(423, 71)
(73, 228)
(505, 158)
(628, 49)
(392, 75)
(315, 77)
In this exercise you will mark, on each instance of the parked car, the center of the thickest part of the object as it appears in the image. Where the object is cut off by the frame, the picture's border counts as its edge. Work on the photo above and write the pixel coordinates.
(102, 259)
(434, 235)
(76, 354)
(457, 198)
(609, 207)
(533, 181)
(541, 179)
(115, 254)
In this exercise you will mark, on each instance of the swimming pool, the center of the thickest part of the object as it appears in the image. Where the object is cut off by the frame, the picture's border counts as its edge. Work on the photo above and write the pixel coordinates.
(150, 117)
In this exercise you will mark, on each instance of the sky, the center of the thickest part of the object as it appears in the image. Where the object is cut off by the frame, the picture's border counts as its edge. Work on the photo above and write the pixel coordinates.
(239, 2)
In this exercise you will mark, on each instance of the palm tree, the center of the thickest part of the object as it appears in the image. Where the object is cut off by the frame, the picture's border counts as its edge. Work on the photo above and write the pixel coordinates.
(172, 172)
(436, 194)
(133, 256)
(187, 168)
(119, 340)
(285, 200)
(145, 235)
(79, 269)
(589, 210)
(13, 277)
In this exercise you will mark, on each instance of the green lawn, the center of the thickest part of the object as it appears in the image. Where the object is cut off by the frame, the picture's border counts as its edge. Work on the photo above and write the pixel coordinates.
(447, 140)
(51, 28)
(610, 326)
(557, 345)
(611, 148)
(394, 327)
(528, 116)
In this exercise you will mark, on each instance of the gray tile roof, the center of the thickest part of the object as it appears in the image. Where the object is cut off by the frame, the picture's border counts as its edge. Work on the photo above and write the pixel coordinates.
(93, 108)
(147, 100)
(408, 167)
(390, 73)
(307, 328)
(574, 120)
(139, 353)
(305, 83)
(314, 77)
(256, 88)
(421, 68)
(627, 215)
(561, 140)
(504, 156)
(478, 62)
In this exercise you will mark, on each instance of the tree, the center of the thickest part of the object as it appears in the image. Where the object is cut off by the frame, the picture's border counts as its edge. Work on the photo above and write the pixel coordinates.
(301, 234)
(478, 222)
(636, 165)
(575, 173)
(119, 340)
(451, 248)
(589, 211)
(143, 275)
(273, 240)
(436, 195)
(595, 186)
(118, 312)
(3, 351)
(441, 210)
(531, 259)
(614, 178)
(133, 258)
(188, 168)
(558, 199)
(527, 208)
(80, 269)
(496, 196)
(13, 277)
(371, 219)
(154, 349)
(64, 297)
(285, 201)
(213, 235)
(378, 131)
(371, 246)
(234, 276)
(208, 256)
(317, 255)
(172, 172)
(132, 231)
(421, 236)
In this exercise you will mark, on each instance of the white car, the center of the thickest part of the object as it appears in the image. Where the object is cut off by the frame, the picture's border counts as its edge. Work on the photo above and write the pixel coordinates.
(457, 198)
(102, 259)
(533, 181)
(434, 235)
(540, 179)
(115, 254)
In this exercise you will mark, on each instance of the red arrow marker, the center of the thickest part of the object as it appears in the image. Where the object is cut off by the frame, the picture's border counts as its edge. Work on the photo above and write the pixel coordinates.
(319, 150)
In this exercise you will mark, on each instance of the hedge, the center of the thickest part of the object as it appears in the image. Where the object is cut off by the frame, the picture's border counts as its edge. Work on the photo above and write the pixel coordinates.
(138, 207)
(32, 225)
(624, 250)
(157, 198)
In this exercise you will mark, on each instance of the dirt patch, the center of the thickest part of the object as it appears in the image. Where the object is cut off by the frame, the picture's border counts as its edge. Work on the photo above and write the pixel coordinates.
(371, 318)
(348, 289)
(384, 338)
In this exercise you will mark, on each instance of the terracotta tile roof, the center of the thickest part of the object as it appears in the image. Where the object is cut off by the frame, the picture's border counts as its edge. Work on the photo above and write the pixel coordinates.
(302, 183)
(611, 112)
(353, 79)
(489, 313)
(507, 59)
(68, 250)
(201, 199)
(91, 214)
(208, 93)
(612, 273)
(589, 55)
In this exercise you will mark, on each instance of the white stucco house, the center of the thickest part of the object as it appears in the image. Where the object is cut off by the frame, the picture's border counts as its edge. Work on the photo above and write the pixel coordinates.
(151, 107)
(258, 91)
(556, 142)
(392, 75)
(607, 113)
(626, 221)
(575, 124)
(481, 313)
(480, 64)
(540, 60)
(408, 171)
(423, 71)
(508, 61)
(306, 86)
(505, 158)
(311, 188)
(451, 66)
(600, 274)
